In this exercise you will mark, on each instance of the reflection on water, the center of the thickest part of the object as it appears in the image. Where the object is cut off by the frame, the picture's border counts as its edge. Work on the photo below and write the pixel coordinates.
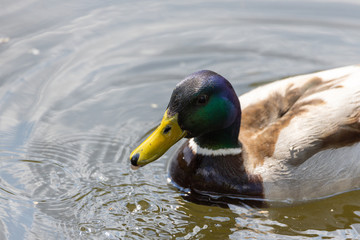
(81, 82)
(338, 212)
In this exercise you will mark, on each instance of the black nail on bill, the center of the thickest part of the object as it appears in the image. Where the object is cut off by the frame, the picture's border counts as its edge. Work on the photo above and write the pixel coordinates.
(134, 159)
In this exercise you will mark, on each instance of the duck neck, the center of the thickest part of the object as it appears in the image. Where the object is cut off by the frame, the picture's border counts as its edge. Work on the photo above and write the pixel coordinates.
(226, 138)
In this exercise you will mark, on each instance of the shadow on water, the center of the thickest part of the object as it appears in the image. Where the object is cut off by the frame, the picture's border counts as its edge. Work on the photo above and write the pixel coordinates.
(317, 218)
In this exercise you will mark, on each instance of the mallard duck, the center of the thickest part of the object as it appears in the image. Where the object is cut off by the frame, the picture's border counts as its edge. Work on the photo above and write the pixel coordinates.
(294, 139)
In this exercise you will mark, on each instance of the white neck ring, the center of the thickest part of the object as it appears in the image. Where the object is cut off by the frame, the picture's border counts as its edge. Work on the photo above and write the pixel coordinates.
(210, 152)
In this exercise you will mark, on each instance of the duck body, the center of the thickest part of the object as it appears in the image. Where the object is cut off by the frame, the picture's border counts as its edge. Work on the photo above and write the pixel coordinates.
(209, 174)
(299, 137)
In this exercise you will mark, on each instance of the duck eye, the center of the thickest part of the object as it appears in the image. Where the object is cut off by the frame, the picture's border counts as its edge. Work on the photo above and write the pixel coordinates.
(202, 99)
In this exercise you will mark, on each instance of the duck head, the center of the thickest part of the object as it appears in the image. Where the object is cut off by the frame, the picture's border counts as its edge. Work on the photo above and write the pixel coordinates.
(203, 106)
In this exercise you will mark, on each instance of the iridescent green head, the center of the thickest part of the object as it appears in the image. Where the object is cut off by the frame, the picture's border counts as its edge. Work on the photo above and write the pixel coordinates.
(203, 106)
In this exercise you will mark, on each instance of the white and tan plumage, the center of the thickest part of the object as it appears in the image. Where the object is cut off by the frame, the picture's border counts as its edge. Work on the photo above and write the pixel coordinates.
(307, 143)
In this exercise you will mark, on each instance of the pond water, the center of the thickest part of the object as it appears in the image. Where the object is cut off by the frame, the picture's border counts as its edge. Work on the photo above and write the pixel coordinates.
(82, 82)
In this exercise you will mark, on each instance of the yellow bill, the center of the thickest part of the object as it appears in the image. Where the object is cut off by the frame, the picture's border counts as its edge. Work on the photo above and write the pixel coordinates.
(166, 135)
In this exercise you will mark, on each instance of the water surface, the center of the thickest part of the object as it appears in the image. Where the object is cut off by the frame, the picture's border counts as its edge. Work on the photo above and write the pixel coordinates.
(82, 82)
